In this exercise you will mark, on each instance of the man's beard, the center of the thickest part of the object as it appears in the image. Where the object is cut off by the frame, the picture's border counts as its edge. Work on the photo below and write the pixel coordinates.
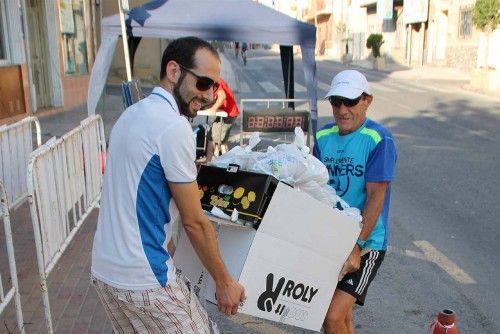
(183, 104)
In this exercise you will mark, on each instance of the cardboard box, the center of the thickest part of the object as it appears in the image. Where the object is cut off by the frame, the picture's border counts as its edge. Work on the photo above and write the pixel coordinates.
(289, 266)
(248, 192)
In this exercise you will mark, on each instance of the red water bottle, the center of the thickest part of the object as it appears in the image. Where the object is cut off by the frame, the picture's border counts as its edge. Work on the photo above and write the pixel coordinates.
(445, 323)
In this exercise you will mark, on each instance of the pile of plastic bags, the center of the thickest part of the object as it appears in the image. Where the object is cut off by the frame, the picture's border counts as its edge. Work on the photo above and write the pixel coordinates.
(290, 163)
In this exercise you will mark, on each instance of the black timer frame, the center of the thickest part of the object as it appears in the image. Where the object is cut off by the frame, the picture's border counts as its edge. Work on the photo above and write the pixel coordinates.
(272, 118)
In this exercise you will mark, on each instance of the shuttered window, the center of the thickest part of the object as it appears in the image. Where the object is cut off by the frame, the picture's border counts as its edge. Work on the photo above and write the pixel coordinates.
(465, 23)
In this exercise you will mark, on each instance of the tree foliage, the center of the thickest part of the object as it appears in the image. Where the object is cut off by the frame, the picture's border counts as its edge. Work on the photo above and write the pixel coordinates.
(375, 42)
(486, 14)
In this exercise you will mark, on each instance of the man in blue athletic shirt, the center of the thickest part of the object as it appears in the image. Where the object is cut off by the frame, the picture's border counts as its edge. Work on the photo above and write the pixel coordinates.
(360, 156)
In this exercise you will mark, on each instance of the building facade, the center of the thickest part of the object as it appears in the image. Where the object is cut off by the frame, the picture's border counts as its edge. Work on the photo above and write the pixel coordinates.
(416, 33)
(47, 49)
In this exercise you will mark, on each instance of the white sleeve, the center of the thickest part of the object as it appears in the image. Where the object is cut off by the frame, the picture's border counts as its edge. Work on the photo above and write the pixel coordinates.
(177, 151)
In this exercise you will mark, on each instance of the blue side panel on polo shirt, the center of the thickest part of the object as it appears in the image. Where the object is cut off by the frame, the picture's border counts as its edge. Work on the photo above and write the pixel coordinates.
(153, 198)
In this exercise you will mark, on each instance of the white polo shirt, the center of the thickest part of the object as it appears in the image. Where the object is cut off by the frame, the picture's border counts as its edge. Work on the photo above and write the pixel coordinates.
(151, 144)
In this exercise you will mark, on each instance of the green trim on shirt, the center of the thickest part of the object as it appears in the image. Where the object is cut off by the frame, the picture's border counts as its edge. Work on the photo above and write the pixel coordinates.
(372, 133)
(325, 132)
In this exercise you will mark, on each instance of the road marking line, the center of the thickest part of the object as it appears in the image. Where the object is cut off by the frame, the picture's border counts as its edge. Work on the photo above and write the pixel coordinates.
(382, 87)
(414, 89)
(244, 87)
(323, 86)
(269, 87)
(391, 101)
(300, 88)
(435, 256)
(406, 252)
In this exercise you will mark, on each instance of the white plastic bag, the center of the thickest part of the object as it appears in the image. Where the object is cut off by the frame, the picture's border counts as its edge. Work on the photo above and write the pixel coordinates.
(243, 157)
(290, 163)
(285, 165)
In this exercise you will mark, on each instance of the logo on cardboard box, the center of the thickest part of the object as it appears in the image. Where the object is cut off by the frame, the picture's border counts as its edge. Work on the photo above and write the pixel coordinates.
(297, 293)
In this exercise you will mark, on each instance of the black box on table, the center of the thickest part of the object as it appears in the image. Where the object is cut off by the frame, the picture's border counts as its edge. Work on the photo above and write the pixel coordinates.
(247, 192)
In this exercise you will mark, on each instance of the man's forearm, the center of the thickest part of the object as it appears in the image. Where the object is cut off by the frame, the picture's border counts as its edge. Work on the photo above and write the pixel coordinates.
(203, 238)
(373, 207)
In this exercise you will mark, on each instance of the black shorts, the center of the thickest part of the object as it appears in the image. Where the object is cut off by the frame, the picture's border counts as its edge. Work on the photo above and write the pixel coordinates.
(357, 283)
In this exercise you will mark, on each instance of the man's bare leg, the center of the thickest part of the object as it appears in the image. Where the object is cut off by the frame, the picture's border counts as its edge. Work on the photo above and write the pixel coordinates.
(338, 319)
(210, 150)
(223, 148)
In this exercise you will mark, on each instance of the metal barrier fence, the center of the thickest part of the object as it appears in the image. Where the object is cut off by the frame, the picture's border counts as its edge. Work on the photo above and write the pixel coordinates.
(64, 185)
(13, 292)
(16, 145)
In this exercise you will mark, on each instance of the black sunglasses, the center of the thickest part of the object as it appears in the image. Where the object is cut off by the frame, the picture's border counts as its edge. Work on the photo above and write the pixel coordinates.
(337, 101)
(202, 83)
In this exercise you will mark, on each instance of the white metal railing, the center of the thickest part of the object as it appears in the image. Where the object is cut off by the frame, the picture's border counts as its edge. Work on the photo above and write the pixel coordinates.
(64, 184)
(13, 292)
(16, 145)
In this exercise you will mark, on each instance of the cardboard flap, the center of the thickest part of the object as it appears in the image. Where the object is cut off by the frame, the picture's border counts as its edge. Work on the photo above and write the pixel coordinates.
(234, 243)
(294, 286)
(308, 223)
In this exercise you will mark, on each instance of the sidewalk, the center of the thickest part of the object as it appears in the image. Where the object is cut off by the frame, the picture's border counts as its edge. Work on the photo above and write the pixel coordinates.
(395, 70)
(74, 303)
(427, 74)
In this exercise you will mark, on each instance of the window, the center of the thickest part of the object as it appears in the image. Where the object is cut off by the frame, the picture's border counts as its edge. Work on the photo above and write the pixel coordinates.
(2, 48)
(74, 39)
(465, 23)
(3, 35)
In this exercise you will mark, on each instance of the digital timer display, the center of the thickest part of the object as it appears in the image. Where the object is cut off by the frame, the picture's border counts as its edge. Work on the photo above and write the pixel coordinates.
(275, 120)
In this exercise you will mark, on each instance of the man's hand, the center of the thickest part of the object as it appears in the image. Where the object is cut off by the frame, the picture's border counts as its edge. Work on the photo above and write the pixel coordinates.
(229, 296)
(352, 263)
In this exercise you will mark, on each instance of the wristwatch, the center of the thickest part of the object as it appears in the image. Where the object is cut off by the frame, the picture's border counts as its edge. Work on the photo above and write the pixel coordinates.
(361, 244)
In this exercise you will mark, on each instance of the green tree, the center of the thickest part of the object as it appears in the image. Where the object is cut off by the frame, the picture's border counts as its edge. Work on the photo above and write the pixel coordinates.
(375, 42)
(486, 17)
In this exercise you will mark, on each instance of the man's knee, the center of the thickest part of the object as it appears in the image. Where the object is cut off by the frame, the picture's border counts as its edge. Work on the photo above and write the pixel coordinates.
(339, 315)
(335, 322)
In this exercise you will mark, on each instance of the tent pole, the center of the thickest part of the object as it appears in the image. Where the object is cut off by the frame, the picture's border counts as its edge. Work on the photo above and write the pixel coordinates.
(121, 6)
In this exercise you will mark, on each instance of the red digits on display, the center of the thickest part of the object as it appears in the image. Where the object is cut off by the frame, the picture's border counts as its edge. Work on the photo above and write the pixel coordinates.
(251, 122)
(274, 123)
(260, 122)
(298, 122)
(270, 122)
(279, 121)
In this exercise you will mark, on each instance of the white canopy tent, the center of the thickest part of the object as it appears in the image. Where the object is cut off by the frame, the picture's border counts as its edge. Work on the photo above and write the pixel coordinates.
(223, 20)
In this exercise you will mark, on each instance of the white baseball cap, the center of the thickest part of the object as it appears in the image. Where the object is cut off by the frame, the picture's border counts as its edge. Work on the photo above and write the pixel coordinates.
(349, 84)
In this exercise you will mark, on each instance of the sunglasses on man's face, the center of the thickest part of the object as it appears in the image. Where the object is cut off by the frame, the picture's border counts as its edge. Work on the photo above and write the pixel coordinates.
(202, 83)
(337, 101)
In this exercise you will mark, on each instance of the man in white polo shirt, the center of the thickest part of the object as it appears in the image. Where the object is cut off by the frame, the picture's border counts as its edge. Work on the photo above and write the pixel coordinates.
(150, 177)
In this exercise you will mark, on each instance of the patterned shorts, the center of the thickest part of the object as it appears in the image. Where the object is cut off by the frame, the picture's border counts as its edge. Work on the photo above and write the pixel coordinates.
(172, 309)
